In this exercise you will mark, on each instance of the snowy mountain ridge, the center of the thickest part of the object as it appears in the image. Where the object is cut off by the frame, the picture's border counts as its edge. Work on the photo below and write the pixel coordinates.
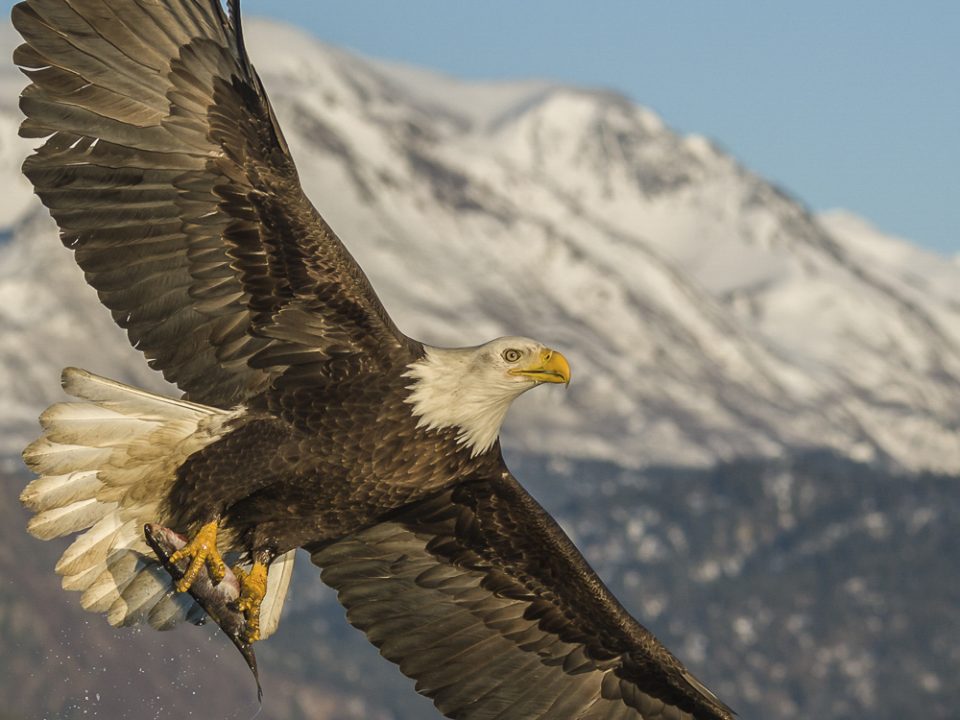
(707, 314)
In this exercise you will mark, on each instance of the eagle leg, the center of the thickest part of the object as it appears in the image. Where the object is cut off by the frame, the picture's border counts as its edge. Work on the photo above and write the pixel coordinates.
(253, 587)
(201, 550)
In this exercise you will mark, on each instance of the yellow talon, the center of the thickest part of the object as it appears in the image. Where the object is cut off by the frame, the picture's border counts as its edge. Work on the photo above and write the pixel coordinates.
(253, 587)
(202, 550)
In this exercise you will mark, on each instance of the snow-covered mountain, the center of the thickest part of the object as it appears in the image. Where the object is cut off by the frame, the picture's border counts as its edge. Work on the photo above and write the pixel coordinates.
(706, 314)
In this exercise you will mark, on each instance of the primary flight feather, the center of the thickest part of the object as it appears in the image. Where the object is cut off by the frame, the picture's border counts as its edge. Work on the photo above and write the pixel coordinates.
(308, 419)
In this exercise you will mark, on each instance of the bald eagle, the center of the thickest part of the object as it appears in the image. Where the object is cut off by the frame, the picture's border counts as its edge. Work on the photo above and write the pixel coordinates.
(308, 420)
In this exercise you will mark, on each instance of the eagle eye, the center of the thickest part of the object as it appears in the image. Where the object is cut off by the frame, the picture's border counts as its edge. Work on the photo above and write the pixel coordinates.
(511, 355)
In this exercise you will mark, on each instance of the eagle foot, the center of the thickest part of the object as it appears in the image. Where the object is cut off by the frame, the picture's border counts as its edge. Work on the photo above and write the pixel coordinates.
(253, 588)
(201, 550)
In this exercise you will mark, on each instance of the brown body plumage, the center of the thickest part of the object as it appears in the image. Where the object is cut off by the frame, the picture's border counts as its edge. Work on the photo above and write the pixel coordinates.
(308, 419)
(336, 460)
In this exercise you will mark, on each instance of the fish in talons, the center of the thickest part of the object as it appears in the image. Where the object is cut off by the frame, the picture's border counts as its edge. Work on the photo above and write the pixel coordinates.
(201, 552)
(253, 588)
(219, 598)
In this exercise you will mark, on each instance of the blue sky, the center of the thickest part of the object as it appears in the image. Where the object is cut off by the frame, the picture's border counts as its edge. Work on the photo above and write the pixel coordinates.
(844, 103)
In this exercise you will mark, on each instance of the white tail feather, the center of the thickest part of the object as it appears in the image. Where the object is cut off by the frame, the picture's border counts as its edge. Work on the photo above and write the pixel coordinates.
(92, 547)
(82, 580)
(55, 491)
(133, 606)
(278, 581)
(119, 571)
(171, 610)
(106, 463)
(69, 518)
(53, 458)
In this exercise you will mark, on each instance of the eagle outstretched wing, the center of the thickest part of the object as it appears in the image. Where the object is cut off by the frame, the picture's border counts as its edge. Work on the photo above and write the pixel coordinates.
(170, 178)
(478, 595)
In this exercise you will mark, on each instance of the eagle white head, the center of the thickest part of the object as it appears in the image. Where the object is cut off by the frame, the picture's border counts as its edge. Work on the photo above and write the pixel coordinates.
(471, 388)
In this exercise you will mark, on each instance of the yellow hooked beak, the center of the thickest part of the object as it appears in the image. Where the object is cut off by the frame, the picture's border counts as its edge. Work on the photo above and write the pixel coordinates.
(550, 367)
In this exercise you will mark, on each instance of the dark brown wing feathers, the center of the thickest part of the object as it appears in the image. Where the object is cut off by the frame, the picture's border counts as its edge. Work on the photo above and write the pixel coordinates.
(168, 174)
(477, 594)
